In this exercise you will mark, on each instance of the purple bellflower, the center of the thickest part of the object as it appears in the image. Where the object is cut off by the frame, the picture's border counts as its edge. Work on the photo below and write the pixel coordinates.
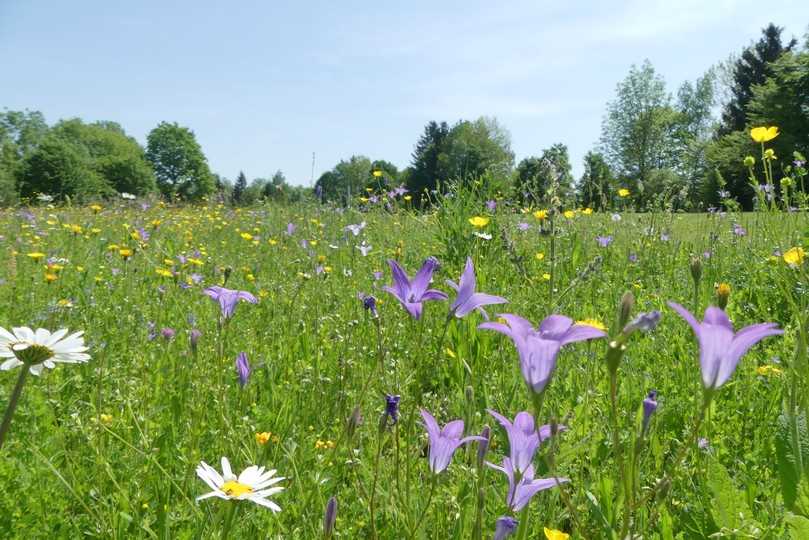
(243, 368)
(521, 488)
(468, 300)
(523, 438)
(413, 293)
(604, 241)
(228, 298)
(444, 442)
(505, 527)
(720, 349)
(649, 407)
(538, 347)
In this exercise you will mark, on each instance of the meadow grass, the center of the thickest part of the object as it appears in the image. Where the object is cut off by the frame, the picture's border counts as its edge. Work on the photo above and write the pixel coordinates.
(109, 448)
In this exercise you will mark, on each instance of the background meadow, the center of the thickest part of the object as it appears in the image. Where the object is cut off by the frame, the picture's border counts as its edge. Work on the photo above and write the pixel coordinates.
(109, 448)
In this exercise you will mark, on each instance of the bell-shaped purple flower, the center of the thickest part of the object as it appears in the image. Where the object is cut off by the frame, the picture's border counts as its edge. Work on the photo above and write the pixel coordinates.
(467, 299)
(720, 349)
(522, 487)
(538, 347)
(523, 437)
(228, 298)
(243, 368)
(649, 407)
(505, 527)
(444, 442)
(391, 408)
(412, 293)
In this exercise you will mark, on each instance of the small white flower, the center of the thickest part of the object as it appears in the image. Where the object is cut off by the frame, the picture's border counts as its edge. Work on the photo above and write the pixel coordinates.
(128, 196)
(616, 217)
(252, 485)
(483, 235)
(40, 349)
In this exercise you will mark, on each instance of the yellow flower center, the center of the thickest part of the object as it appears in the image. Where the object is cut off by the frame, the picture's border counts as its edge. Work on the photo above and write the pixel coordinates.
(594, 323)
(33, 354)
(232, 488)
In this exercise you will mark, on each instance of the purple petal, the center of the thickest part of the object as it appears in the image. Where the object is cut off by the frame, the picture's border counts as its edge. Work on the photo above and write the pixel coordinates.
(581, 332)
(716, 316)
(430, 424)
(476, 301)
(555, 324)
(422, 279)
(400, 280)
(453, 430)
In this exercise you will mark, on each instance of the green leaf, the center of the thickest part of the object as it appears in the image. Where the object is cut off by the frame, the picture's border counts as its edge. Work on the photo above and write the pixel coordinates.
(728, 504)
(798, 527)
(792, 453)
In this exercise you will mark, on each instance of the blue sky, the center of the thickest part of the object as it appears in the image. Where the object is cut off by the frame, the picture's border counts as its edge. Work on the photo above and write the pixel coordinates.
(263, 85)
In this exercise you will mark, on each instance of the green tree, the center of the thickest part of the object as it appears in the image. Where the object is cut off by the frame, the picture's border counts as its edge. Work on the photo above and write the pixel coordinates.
(20, 134)
(751, 68)
(63, 169)
(276, 188)
(239, 187)
(114, 156)
(346, 181)
(474, 149)
(178, 162)
(596, 186)
(424, 172)
(534, 175)
(636, 128)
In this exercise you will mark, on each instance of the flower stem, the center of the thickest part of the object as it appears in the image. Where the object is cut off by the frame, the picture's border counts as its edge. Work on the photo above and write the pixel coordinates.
(426, 507)
(12, 404)
(229, 519)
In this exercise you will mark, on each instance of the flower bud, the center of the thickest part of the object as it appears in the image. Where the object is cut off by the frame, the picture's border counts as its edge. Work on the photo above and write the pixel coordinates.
(353, 422)
(749, 161)
(483, 446)
(722, 295)
(649, 407)
(505, 527)
(627, 303)
(696, 269)
(329, 517)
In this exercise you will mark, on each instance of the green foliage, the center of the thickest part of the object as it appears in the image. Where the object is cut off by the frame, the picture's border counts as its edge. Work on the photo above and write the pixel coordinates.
(239, 187)
(729, 508)
(534, 176)
(346, 181)
(752, 68)
(178, 162)
(61, 168)
(792, 453)
(114, 156)
(597, 185)
(467, 152)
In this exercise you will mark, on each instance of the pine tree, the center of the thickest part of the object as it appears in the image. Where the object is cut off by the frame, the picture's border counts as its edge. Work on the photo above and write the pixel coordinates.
(239, 188)
(752, 68)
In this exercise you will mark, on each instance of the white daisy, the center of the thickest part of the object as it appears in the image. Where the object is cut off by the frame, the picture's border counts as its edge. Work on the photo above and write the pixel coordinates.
(252, 485)
(40, 349)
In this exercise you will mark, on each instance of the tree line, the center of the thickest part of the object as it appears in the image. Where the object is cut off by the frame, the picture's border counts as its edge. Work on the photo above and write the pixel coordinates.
(682, 150)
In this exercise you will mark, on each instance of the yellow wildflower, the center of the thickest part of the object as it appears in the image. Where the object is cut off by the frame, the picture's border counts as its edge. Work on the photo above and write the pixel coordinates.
(37, 255)
(408, 198)
(125, 253)
(95, 208)
(569, 214)
(794, 256)
(764, 134)
(539, 256)
(546, 276)
(587, 211)
(377, 173)
(50, 278)
(623, 192)
(451, 353)
(768, 370)
(246, 236)
(164, 272)
(553, 534)
(479, 221)
(541, 214)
